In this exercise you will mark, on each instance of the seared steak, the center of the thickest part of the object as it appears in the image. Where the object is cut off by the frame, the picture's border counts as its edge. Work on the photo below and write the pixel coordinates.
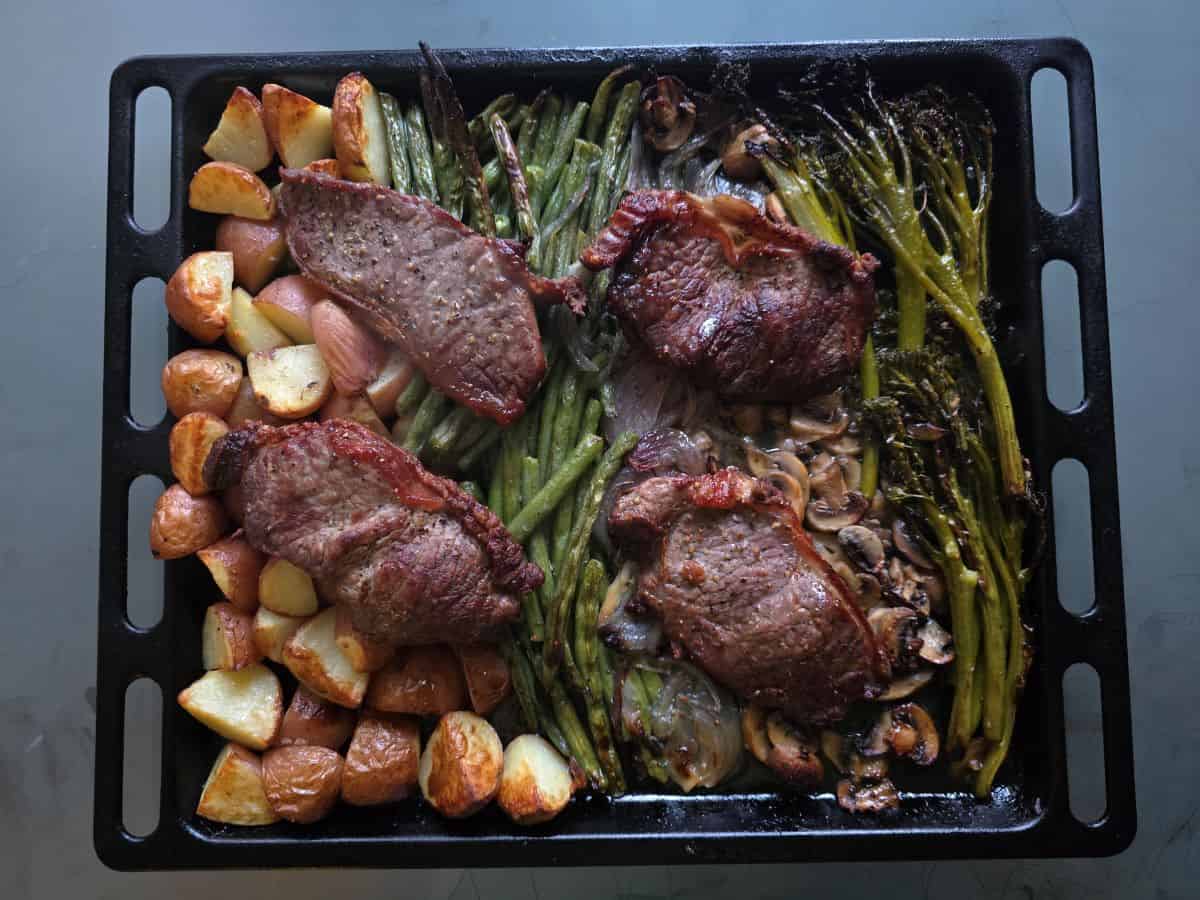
(754, 309)
(739, 586)
(415, 558)
(457, 303)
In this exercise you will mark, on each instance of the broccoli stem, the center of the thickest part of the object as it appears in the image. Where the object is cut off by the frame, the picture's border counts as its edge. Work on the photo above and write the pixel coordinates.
(868, 369)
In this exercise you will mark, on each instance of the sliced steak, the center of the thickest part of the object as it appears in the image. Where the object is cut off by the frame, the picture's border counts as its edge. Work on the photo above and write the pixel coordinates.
(754, 309)
(740, 587)
(415, 558)
(459, 304)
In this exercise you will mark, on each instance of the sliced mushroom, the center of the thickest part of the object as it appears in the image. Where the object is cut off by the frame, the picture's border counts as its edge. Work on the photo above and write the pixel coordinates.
(754, 732)
(879, 505)
(826, 516)
(867, 798)
(863, 768)
(809, 427)
(782, 469)
(826, 478)
(906, 542)
(870, 594)
(852, 471)
(937, 644)
(876, 743)
(935, 591)
(668, 114)
(906, 686)
(833, 747)
(846, 444)
(780, 746)
(863, 547)
(911, 733)
(847, 574)
(896, 628)
(741, 161)
(906, 585)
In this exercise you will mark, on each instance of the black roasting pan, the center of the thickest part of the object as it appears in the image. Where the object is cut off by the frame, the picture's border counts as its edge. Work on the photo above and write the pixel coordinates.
(1028, 814)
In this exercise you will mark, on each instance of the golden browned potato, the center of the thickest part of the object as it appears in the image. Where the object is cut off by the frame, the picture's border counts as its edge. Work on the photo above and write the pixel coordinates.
(201, 381)
(313, 656)
(190, 441)
(286, 589)
(393, 378)
(232, 190)
(302, 782)
(359, 133)
(536, 783)
(227, 639)
(364, 653)
(272, 631)
(354, 409)
(288, 302)
(352, 353)
(460, 767)
(381, 764)
(311, 720)
(245, 706)
(246, 409)
(249, 330)
(300, 129)
(199, 294)
(233, 792)
(291, 382)
(486, 674)
(423, 681)
(325, 167)
(235, 567)
(241, 135)
(257, 248)
(182, 524)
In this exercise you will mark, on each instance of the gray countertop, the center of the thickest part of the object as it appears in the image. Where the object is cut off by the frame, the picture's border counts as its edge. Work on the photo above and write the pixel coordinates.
(56, 61)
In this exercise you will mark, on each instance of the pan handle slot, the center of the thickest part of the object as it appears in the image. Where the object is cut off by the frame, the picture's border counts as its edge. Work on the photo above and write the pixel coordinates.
(1083, 715)
(151, 202)
(1053, 171)
(142, 759)
(1073, 536)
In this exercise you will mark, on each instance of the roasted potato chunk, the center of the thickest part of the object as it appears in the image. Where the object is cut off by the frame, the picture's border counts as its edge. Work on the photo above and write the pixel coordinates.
(245, 706)
(486, 674)
(286, 589)
(351, 353)
(246, 409)
(272, 631)
(182, 524)
(232, 190)
(201, 381)
(190, 441)
(233, 792)
(422, 681)
(536, 782)
(311, 720)
(235, 567)
(381, 764)
(291, 382)
(391, 381)
(288, 303)
(302, 782)
(249, 331)
(258, 249)
(241, 135)
(313, 656)
(359, 133)
(353, 409)
(328, 167)
(300, 129)
(364, 652)
(199, 294)
(227, 639)
(461, 765)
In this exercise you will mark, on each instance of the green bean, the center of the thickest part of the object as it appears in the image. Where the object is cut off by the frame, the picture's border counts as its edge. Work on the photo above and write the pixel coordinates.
(527, 136)
(556, 488)
(550, 394)
(445, 167)
(599, 110)
(502, 106)
(564, 145)
(482, 446)
(530, 601)
(397, 141)
(548, 130)
(592, 586)
(522, 205)
(592, 414)
(470, 436)
(566, 430)
(421, 155)
(473, 489)
(620, 181)
(446, 433)
(575, 180)
(554, 647)
(510, 470)
(412, 395)
(524, 685)
(615, 139)
(426, 417)
(495, 496)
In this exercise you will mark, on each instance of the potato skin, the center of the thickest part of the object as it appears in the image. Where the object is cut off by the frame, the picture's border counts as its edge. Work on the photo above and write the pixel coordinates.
(302, 782)
(536, 783)
(486, 674)
(422, 681)
(198, 293)
(235, 567)
(229, 189)
(461, 765)
(381, 764)
(182, 524)
(233, 631)
(364, 653)
(245, 408)
(233, 793)
(312, 721)
(191, 439)
(257, 247)
(201, 381)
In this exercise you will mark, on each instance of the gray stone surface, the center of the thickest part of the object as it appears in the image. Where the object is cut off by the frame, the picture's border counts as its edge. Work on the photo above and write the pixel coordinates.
(55, 65)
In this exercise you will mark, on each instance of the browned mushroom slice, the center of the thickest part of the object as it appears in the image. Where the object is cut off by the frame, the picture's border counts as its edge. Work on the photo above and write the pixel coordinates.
(863, 547)
(937, 644)
(847, 444)
(810, 423)
(911, 733)
(906, 543)
(740, 157)
(754, 733)
(907, 586)
(867, 798)
(826, 515)
(896, 629)
(906, 686)
(793, 755)
(668, 114)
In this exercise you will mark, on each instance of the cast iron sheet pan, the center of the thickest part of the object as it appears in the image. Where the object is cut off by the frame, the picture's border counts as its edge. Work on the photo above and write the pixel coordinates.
(1028, 814)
